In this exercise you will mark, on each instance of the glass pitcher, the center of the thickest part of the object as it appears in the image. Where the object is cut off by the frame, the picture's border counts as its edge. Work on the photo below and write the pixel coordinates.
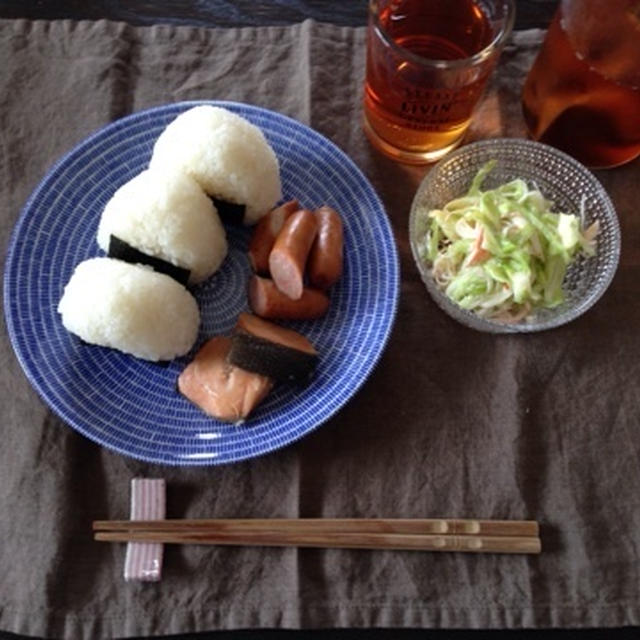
(582, 94)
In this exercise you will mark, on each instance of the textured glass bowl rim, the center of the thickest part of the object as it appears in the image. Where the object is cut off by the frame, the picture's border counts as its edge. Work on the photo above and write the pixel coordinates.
(477, 58)
(470, 319)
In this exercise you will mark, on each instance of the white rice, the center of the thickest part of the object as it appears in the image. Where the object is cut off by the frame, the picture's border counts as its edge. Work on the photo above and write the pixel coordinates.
(131, 308)
(169, 216)
(226, 154)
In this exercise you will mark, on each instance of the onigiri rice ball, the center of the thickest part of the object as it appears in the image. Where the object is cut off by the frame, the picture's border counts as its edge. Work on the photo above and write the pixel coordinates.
(167, 216)
(229, 156)
(131, 308)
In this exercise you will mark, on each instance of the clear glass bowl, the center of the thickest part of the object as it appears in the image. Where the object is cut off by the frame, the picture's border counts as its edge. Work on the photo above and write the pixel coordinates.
(562, 180)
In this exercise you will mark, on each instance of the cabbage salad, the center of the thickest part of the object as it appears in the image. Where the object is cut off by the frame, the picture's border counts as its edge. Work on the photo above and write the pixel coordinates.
(502, 253)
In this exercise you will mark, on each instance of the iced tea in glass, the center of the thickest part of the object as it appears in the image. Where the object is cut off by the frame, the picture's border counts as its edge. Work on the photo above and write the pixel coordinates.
(428, 62)
(582, 94)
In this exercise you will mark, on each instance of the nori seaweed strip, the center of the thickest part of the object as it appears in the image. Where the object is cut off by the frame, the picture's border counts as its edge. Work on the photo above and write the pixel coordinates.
(121, 250)
(270, 359)
(229, 212)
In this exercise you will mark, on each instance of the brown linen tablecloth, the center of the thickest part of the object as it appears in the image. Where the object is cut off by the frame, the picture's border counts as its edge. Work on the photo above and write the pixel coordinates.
(451, 423)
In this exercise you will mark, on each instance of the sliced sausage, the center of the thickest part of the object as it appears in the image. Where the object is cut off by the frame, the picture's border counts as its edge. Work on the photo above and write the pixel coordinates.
(265, 234)
(269, 302)
(325, 260)
(288, 258)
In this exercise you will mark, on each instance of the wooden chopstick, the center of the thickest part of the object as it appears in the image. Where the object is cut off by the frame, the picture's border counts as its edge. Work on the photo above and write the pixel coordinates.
(402, 534)
(344, 525)
(397, 541)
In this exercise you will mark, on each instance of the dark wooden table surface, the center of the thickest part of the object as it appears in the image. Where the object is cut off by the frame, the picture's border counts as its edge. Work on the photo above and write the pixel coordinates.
(227, 13)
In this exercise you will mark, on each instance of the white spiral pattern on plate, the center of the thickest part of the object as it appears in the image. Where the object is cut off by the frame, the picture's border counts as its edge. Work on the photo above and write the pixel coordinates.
(132, 406)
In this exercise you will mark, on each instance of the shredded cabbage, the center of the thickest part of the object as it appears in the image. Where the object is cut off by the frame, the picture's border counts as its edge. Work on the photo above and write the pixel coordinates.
(502, 253)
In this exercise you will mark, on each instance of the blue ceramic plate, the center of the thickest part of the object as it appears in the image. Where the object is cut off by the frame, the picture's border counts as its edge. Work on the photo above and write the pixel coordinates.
(131, 406)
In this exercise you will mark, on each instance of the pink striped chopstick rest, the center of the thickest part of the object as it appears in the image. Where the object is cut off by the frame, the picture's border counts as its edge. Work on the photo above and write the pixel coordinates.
(143, 560)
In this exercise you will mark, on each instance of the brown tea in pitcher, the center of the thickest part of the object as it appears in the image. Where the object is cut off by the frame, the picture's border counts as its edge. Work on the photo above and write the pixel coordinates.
(422, 81)
(582, 94)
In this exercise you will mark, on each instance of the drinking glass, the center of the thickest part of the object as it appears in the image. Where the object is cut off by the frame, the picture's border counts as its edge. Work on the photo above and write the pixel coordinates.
(428, 63)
